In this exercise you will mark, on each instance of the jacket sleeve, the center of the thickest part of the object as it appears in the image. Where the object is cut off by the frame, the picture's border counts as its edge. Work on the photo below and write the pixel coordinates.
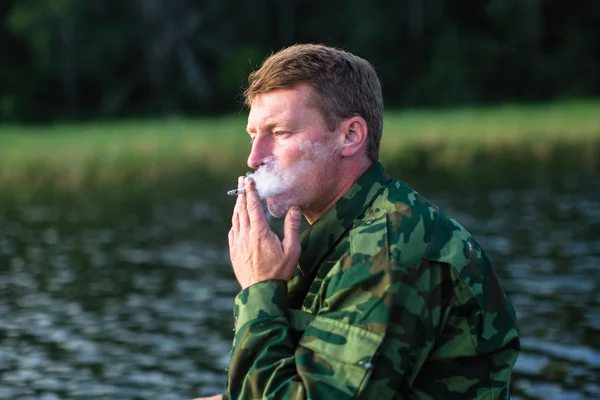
(334, 357)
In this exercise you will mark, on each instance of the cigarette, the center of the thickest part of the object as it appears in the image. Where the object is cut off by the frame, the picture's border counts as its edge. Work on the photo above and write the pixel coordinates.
(234, 192)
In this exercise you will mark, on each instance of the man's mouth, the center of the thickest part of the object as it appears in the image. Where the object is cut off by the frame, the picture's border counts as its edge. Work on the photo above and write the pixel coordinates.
(270, 180)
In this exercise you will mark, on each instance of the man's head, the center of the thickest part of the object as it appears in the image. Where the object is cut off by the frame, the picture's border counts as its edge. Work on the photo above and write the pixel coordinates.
(345, 85)
(315, 122)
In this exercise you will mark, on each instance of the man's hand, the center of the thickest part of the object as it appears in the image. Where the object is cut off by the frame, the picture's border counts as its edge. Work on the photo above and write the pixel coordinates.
(217, 397)
(256, 252)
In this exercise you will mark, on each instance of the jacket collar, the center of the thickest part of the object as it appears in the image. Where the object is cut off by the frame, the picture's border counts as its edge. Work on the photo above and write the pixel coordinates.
(326, 232)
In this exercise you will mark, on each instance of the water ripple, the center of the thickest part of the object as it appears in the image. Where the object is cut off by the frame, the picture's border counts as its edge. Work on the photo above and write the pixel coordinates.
(110, 303)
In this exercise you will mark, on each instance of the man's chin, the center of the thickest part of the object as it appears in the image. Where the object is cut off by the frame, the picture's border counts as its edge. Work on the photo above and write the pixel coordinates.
(278, 209)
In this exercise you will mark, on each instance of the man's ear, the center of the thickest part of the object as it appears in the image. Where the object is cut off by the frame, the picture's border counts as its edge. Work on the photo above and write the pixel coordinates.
(355, 133)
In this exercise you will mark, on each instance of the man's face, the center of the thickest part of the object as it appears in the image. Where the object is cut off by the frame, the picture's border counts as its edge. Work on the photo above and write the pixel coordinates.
(294, 153)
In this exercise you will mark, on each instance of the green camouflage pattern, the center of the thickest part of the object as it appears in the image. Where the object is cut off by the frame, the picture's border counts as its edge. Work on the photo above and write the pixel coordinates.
(392, 299)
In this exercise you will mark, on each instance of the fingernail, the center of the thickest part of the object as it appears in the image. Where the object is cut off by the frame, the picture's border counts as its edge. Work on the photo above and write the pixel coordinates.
(295, 212)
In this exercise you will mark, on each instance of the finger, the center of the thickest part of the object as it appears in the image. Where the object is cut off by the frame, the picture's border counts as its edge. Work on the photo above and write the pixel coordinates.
(235, 221)
(256, 212)
(235, 218)
(231, 238)
(240, 205)
(291, 233)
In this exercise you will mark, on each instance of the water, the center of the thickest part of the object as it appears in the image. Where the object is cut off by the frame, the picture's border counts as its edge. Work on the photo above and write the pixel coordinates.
(131, 298)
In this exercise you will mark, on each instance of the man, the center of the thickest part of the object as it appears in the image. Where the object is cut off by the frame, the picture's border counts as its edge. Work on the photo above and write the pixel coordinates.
(384, 296)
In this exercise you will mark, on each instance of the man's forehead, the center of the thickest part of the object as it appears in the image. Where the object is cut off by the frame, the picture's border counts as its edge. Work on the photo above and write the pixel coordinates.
(269, 117)
(278, 106)
(300, 94)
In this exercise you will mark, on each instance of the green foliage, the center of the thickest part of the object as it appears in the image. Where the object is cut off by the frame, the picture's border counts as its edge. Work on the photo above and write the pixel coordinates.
(79, 155)
(73, 59)
(234, 69)
(38, 23)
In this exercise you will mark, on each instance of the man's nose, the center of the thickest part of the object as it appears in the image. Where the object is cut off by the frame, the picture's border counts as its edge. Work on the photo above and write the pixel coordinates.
(259, 152)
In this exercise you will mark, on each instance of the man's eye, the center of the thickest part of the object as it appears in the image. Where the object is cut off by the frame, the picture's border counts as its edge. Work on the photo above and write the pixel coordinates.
(280, 133)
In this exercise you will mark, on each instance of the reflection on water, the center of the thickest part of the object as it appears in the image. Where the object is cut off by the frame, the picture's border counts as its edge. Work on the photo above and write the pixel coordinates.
(133, 300)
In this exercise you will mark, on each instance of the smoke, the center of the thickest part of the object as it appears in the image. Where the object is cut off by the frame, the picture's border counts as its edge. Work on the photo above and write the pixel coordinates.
(271, 179)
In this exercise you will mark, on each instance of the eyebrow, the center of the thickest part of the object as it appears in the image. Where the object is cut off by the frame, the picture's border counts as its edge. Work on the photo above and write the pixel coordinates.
(269, 124)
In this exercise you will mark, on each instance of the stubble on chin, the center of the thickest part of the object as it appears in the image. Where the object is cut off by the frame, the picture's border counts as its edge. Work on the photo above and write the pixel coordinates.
(278, 208)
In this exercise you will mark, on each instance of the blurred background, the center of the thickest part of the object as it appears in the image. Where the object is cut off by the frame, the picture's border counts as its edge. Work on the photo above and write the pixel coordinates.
(122, 126)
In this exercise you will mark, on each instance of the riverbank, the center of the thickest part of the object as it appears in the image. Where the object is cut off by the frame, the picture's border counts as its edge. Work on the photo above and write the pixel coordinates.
(79, 155)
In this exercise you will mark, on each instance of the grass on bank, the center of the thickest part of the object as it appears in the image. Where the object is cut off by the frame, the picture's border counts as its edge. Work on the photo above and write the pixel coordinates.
(71, 155)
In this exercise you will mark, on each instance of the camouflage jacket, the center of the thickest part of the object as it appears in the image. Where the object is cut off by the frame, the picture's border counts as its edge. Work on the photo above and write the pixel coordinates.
(392, 299)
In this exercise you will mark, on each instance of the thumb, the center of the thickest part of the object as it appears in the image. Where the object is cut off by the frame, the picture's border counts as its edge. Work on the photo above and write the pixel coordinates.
(291, 232)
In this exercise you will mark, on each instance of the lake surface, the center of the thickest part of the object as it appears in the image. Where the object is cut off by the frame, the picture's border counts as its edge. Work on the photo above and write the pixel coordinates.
(131, 297)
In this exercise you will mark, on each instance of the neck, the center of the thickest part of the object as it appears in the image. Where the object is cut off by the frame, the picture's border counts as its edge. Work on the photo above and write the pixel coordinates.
(350, 174)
